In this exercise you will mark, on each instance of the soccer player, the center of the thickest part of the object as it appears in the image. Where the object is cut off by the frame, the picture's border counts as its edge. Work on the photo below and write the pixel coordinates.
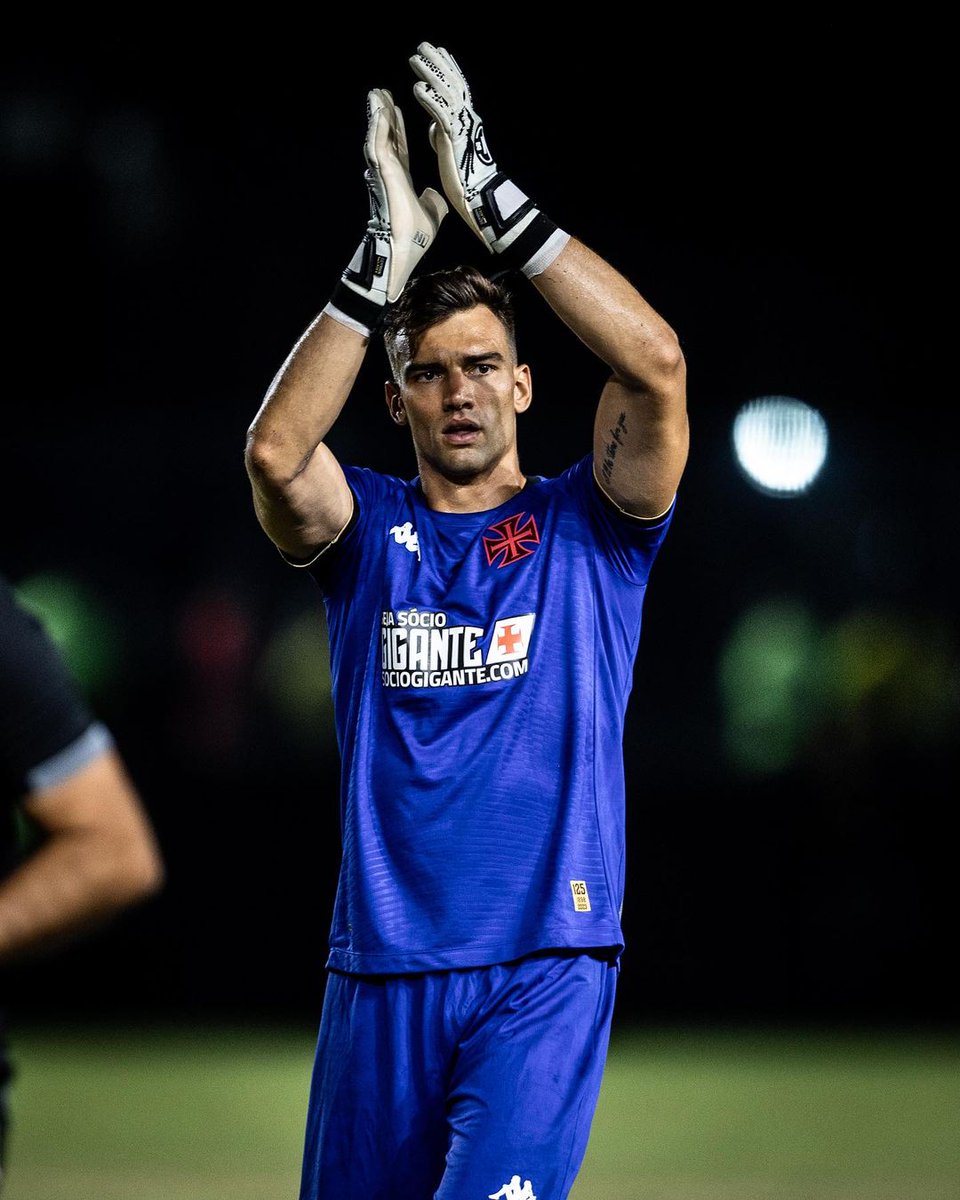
(483, 625)
(93, 850)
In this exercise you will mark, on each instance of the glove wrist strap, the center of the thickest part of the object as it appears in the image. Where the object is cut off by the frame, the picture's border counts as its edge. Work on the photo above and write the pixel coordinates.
(548, 251)
(502, 207)
(536, 247)
(355, 311)
(520, 235)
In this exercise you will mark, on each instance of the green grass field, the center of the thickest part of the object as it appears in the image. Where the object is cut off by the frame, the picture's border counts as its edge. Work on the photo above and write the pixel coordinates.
(154, 1114)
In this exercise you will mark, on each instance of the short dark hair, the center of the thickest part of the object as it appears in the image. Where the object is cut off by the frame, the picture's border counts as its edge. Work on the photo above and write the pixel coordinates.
(430, 298)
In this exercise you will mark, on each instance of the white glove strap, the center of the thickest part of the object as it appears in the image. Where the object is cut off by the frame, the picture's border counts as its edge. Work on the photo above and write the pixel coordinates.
(358, 307)
(515, 229)
(546, 254)
(351, 323)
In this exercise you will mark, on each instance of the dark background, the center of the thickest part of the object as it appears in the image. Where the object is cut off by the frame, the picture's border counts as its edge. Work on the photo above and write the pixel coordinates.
(177, 209)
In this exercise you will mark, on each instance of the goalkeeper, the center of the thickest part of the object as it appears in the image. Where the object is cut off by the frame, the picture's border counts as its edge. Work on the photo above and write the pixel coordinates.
(484, 624)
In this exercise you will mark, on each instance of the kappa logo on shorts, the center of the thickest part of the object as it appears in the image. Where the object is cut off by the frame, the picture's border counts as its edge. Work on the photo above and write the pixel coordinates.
(513, 1191)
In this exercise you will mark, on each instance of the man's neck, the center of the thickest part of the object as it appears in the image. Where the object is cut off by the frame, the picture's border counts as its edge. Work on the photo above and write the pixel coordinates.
(477, 494)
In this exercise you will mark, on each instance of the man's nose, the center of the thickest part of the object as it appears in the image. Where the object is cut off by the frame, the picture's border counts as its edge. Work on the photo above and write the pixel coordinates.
(458, 393)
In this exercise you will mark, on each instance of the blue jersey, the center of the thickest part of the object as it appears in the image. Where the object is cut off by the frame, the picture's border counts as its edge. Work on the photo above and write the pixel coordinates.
(481, 666)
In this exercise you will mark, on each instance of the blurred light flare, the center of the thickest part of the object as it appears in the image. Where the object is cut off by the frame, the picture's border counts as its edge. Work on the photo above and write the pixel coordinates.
(780, 444)
(215, 637)
(77, 622)
(294, 671)
(766, 677)
(874, 678)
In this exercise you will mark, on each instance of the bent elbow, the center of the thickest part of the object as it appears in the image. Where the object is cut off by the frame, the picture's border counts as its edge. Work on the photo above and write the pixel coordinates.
(139, 873)
(670, 364)
(657, 365)
(668, 387)
(269, 462)
(261, 458)
(151, 874)
(674, 361)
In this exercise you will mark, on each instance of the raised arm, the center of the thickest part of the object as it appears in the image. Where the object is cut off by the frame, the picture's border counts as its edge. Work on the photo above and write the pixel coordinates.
(641, 436)
(300, 495)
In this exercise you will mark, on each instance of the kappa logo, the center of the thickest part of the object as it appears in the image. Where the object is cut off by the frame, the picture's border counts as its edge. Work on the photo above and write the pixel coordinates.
(406, 535)
(513, 1191)
(513, 539)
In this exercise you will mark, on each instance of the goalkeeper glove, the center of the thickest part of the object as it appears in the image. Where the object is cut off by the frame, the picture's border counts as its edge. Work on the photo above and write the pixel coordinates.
(499, 213)
(400, 229)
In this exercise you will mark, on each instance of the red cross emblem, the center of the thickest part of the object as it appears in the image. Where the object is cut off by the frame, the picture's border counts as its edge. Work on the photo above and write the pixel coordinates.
(509, 639)
(514, 538)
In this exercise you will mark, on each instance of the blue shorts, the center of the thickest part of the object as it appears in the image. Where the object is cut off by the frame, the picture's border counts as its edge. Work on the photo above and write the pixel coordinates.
(452, 1085)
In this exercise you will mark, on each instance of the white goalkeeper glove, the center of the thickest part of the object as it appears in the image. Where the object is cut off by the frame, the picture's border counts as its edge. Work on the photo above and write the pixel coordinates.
(400, 229)
(505, 219)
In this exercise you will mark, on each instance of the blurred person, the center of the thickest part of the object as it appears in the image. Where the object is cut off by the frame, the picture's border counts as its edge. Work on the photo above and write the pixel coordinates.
(484, 624)
(90, 849)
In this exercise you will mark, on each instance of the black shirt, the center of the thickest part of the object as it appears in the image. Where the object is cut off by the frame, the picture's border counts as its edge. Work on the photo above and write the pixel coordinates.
(47, 729)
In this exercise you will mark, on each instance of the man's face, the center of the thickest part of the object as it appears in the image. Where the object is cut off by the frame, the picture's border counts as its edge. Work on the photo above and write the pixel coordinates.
(460, 394)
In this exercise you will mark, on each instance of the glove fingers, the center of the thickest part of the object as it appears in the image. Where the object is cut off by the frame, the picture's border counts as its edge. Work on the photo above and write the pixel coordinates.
(398, 132)
(455, 76)
(400, 227)
(437, 74)
(386, 133)
(452, 64)
(435, 60)
(424, 62)
(375, 128)
(435, 104)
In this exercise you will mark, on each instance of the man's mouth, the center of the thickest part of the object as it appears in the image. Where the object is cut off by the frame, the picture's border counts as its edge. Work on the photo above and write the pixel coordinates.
(460, 432)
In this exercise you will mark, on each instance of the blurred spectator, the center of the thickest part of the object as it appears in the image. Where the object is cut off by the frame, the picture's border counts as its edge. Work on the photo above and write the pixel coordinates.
(76, 845)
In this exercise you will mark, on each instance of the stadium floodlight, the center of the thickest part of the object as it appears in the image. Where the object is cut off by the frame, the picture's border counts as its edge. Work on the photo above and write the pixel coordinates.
(780, 444)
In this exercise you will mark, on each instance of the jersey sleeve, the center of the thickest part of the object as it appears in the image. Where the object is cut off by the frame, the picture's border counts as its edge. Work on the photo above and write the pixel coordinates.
(47, 729)
(630, 544)
(369, 488)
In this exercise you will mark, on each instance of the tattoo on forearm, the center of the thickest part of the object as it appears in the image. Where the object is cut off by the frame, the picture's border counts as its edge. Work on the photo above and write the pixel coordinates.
(610, 450)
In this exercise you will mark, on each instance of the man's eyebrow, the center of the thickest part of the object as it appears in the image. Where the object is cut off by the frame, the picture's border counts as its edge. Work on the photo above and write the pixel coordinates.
(415, 365)
(468, 360)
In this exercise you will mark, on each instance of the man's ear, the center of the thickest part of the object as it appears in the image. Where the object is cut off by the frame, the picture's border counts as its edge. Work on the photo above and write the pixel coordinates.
(398, 413)
(522, 388)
